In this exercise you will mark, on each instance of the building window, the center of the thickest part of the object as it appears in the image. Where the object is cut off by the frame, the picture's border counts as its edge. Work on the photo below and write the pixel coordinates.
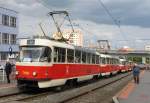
(5, 20)
(13, 21)
(5, 38)
(13, 38)
(4, 56)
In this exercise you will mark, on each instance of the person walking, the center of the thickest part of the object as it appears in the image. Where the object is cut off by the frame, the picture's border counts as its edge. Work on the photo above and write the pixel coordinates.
(8, 70)
(136, 73)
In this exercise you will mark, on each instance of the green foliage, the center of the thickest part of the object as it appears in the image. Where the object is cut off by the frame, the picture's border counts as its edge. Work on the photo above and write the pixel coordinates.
(135, 59)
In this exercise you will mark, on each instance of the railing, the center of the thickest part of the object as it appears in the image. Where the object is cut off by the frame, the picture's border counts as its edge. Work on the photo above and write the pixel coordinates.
(2, 75)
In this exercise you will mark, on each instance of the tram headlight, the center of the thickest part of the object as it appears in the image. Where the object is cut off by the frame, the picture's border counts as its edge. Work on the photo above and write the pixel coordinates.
(34, 73)
(17, 73)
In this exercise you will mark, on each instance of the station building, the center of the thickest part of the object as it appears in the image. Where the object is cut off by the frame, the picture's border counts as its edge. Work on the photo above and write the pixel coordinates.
(8, 33)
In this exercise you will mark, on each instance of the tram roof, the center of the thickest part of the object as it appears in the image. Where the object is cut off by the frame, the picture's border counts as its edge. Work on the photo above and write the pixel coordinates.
(48, 42)
(89, 50)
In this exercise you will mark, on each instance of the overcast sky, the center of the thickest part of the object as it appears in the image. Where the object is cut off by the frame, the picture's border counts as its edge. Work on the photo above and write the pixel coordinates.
(133, 16)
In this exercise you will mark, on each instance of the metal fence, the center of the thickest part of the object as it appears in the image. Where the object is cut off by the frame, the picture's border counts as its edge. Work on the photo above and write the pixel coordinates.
(3, 78)
(2, 75)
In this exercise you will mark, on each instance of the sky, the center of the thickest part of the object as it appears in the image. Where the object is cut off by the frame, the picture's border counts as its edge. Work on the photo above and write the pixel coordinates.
(90, 16)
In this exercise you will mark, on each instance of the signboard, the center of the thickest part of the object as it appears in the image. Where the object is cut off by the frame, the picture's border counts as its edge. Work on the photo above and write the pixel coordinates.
(10, 50)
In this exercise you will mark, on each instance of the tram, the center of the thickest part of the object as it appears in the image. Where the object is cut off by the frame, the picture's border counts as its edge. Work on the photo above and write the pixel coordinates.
(47, 63)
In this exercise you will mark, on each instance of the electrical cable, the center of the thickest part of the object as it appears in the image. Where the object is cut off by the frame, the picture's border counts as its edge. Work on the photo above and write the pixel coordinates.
(116, 22)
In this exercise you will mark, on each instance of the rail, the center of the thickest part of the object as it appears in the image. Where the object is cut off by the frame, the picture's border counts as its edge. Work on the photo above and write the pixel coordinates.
(69, 95)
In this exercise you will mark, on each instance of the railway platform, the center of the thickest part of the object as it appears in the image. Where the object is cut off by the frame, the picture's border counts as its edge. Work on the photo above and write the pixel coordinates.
(7, 89)
(135, 93)
(5, 85)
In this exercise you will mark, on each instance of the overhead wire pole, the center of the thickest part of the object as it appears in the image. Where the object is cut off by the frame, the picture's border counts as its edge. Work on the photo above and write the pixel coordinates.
(113, 19)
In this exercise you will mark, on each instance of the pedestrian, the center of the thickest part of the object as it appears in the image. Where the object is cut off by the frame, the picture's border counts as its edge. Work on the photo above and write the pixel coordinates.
(8, 70)
(136, 73)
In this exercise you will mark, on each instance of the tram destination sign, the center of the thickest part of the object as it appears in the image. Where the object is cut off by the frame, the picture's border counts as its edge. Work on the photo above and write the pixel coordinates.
(30, 42)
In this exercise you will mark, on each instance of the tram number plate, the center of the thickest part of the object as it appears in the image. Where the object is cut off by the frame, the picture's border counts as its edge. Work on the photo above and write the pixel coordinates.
(30, 42)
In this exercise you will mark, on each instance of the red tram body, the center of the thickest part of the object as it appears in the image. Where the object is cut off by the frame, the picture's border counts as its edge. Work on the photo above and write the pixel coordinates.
(47, 63)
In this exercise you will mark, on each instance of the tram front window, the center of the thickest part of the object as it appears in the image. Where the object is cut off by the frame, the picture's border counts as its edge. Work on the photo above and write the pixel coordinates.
(35, 54)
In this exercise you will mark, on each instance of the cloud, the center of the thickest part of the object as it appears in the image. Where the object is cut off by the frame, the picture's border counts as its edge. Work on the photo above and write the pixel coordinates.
(26, 8)
(128, 12)
(90, 15)
(57, 3)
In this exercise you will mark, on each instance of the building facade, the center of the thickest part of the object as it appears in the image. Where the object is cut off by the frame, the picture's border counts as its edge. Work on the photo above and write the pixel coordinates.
(147, 47)
(75, 38)
(8, 33)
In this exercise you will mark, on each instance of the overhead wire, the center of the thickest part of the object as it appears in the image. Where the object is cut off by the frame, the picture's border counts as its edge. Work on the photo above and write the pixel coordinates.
(116, 22)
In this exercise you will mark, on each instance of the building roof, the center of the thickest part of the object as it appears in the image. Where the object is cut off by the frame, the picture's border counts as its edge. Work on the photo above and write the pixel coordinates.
(9, 9)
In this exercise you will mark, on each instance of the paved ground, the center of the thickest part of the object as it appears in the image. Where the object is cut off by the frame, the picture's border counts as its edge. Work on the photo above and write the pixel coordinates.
(137, 93)
(3, 80)
(102, 95)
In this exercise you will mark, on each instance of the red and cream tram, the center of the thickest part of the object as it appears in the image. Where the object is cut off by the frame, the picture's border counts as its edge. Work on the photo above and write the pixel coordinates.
(47, 63)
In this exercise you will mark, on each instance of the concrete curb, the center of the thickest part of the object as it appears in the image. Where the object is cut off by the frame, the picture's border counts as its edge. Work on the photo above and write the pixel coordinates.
(115, 99)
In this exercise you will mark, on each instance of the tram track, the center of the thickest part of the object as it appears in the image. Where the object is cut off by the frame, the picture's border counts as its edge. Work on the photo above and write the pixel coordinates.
(94, 89)
(20, 96)
(71, 94)
(11, 91)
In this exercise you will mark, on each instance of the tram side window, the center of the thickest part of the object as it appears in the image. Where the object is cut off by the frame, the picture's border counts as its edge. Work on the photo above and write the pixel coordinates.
(70, 56)
(46, 55)
(116, 61)
(112, 61)
(100, 60)
(77, 56)
(88, 58)
(97, 59)
(93, 59)
(59, 54)
(108, 60)
(103, 60)
(124, 63)
(83, 57)
(55, 54)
